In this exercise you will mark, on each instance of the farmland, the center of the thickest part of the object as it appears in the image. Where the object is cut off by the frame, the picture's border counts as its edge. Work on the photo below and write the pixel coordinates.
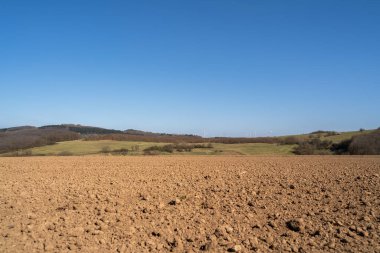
(190, 204)
(80, 147)
(68, 139)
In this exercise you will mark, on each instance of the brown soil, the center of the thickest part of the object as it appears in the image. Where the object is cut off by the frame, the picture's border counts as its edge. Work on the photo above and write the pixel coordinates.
(190, 204)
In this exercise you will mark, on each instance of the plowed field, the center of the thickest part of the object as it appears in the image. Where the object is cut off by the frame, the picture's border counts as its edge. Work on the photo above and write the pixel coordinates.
(190, 204)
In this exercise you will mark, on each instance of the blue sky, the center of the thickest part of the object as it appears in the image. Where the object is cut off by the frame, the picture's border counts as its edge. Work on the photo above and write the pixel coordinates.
(226, 68)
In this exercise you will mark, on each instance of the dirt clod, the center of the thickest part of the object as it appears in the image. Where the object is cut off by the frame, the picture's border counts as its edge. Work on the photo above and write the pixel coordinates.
(297, 225)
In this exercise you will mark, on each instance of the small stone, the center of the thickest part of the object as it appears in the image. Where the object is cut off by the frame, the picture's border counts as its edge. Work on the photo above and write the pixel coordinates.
(157, 234)
(366, 218)
(144, 197)
(236, 248)
(206, 246)
(175, 202)
(122, 249)
(219, 232)
(228, 229)
(331, 245)
(269, 239)
(296, 225)
(254, 241)
(271, 224)
(29, 228)
(350, 234)
(294, 248)
(96, 232)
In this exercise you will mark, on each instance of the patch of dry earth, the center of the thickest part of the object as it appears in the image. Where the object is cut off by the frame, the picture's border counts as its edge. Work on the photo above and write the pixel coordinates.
(190, 204)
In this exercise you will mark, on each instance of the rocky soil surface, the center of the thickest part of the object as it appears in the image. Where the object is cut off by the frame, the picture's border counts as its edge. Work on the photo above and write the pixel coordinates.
(190, 204)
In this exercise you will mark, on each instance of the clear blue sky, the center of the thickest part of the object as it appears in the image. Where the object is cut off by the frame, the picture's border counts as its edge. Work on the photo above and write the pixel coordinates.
(227, 67)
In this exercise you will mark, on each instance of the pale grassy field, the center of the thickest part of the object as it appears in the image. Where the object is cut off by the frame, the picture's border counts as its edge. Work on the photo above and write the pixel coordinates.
(345, 136)
(334, 138)
(80, 147)
(92, 147)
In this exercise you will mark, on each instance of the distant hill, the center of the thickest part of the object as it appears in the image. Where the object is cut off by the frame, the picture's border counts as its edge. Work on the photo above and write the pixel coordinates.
(90, 130)
(82, 129)
(27, 137)
(24, 137)
(333, 136)
(10, 129)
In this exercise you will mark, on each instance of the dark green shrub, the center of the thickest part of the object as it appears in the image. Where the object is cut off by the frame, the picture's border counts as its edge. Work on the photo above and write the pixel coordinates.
(319, 144)
(166, 148)
(122, 151)
(21, 153)
(313, 146)
(366, 144)
(179, 147)
(65, 153)
(341, 148)
(304, 148)
(321, 133)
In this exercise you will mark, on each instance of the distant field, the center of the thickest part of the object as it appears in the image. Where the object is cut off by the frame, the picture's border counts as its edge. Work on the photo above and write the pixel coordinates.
(255, 148)
(345, 135)
(334, 138)
(80, 147)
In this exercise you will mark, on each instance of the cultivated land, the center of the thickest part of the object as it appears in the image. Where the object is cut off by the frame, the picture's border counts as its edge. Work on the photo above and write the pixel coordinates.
(34, 141)
(190, 204)
(80, 147)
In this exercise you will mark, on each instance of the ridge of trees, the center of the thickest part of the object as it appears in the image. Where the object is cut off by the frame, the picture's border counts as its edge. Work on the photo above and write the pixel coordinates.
(33, 137)
(364, 144)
